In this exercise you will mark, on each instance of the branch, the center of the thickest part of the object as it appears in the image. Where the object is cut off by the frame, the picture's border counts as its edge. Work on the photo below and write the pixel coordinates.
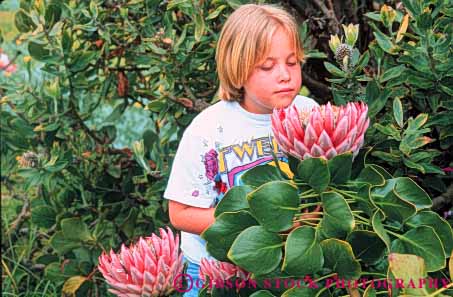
(334, 24)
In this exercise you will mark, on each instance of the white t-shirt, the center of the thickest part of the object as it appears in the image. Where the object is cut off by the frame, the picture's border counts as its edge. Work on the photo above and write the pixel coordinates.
(220, 144)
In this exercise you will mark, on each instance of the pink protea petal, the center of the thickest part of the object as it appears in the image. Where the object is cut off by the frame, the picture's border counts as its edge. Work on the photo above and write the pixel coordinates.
(331, 153)
(341, 130)
(310, 136)
(344, 146)
(316, 121)
(329, 119)
(300, 148)
(316, 151)
(324, 141)
(293, 117)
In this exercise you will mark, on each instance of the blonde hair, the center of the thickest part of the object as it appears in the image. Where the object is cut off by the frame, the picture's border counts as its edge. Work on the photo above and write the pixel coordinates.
(245, 40)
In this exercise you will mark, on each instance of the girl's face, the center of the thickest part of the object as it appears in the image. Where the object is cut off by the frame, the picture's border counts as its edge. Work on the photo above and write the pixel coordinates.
(276, 80)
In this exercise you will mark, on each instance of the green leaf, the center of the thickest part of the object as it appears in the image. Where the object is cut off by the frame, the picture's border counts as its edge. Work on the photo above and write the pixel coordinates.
(82, 59)
(38, 52)
(370, 175)
(418, 122)
(23, 22)
(376, 222)
(389, 130)
(339, 258)
(301, 292)
(222, 233)
(75, 229)
(398, 112)
(392, 73)
(337, 220)
(235, 199)
(256, 250)
(274, 205)
(262, 174)
(377, 105)
(424, 242)
(199, 26)
(53, 14)
(334, 70)
(410, 268)
(156, 106)
(43, 216)
(303, 254)
(385, 42)
(408, 190)
(367, 246)
(440, 225)
(390, 203)
(61, 244)
(262, 293)
(315, 172)
(340, 168)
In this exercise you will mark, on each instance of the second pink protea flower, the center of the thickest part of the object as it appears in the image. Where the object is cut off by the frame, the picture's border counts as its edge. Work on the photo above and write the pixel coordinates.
(326, 131)
(147, 268)
(218, 271)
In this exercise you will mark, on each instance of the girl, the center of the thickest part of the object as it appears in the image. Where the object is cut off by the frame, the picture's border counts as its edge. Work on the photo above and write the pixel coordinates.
(258, 59)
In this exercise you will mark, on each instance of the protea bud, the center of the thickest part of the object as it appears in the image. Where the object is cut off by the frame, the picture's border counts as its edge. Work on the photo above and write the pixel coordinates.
(388, 15)
(343, 55)
(28, 160)
(324, 132)
(147, 268)
(351, 33)
(218, 271)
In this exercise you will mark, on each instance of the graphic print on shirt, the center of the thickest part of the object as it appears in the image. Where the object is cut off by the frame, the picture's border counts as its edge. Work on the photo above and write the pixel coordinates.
(225, 166)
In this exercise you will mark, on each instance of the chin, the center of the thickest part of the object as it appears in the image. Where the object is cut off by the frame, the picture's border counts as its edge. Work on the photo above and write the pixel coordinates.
(284, 102)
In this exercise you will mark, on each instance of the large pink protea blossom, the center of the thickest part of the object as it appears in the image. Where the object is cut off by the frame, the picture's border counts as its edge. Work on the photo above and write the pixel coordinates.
(147, 268)
(326, 131)
(218, 271)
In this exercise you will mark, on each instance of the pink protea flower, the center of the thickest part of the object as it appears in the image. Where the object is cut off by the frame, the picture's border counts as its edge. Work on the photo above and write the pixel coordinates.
(147, 268)
(218, 271)
(5, 64)
(326, 131)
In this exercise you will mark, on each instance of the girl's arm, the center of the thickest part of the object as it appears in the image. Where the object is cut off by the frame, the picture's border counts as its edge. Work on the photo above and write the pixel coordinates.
(189, 218)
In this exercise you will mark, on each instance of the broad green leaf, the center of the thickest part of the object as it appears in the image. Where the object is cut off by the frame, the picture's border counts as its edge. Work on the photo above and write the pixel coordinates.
(337, 220)
(262, 174)
(408, 190)
(389, 130)
(23, 22)
(418, 122)
(262, 293)
(440, 225)
(199, 26)
(38, 51)
(370, 175)
(315, 172)
(392, 73)
(256, 250)
(340, 168)
(424, 242)
(61, 244)
(82, 59)
(43, 216)
(222, 233)
(398, 112)
(390, 203)
(274, 205)
(385, 42)
(75, 229)
(410, 268)
(376, 222)
(300, 292)
(367, 246)
(53, 14)
(303, 254)
(339, 257)
(334, 69)
(235, 199)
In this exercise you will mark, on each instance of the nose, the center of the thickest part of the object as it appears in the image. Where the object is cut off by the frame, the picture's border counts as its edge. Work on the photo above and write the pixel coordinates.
(283, 73)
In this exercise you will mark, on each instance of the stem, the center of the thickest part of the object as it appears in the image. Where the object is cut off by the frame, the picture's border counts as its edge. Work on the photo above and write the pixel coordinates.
(362, 218)
(305, 205)
(441, 290)
(309, 196)
(324, 277)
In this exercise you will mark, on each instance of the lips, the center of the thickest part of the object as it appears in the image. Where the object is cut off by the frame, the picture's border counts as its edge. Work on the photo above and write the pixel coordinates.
(285, 90)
